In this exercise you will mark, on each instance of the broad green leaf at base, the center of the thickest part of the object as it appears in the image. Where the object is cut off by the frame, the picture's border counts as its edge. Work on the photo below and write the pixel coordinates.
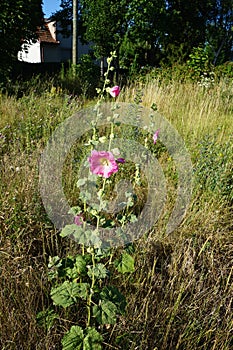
(79, 339)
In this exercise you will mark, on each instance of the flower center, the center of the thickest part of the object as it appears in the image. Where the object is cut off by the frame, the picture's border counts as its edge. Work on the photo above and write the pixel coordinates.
(104, 161)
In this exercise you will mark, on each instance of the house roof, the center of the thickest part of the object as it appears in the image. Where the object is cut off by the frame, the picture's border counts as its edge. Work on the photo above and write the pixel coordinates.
(45, 35)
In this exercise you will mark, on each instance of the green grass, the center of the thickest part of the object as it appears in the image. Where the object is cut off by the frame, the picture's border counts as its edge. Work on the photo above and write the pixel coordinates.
(180, 295)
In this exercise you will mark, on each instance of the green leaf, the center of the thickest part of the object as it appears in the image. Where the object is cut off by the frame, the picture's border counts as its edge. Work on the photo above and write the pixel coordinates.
(85, 196)
(69, 230)
(54, 261)
(81, 182)
(46, 318)
(54, 264)
(66, 270)
(71, 273)
(75, 210)
(93, 340)
(94, 240)
(101, 253)
(78, 268)
(80, 264)
(105, 312)
(82, 235)
(99, 271)
(79, 339)
(125, 263)
(111, 293)
(133, 218)
(73, 340)
(67, 293)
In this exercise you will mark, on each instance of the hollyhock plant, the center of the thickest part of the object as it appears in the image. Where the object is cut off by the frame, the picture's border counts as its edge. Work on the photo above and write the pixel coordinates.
(92, 227)
(102, 163)
(155, 136)
(114, 91)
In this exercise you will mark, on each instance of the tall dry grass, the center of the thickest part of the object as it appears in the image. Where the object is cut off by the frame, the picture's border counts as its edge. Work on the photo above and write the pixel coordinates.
(192, 109)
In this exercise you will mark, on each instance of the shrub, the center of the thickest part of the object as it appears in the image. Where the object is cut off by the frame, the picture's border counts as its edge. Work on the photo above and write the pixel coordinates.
(81, 79)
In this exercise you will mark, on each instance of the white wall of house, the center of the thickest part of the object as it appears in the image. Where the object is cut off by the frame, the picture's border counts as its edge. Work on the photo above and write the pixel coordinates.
(30, 52)
(52, 28)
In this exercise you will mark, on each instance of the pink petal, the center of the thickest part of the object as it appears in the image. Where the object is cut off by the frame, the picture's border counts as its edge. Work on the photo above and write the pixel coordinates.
(102, 163)
(155, 136)
(114, 91)
(78, 220)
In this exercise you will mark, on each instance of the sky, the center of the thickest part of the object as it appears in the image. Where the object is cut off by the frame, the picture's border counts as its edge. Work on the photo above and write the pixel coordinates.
(50, 6)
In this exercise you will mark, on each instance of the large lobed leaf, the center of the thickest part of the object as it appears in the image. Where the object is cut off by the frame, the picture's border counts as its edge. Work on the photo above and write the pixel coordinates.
(67, 293)
(79, 339)
(125, 263)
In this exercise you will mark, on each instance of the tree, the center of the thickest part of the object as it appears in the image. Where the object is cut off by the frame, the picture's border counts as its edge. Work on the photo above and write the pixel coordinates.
(149, 32)
(145, 28)
(198, 23)
(105, 25)
(186, 23)
(75, 36)
(18, 21)
(65, 17)
(70, 24)
(219, 30)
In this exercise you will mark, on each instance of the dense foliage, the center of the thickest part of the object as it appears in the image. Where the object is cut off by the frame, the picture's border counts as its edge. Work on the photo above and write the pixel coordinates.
(18, 22)
(154, 32)
(143, 33)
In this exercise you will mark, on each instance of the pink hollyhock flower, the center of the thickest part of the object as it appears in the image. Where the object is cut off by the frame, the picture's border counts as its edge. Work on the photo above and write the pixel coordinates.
(120, 160)
(155, 136)
(78, 220)
(102, 163)
(114, 91)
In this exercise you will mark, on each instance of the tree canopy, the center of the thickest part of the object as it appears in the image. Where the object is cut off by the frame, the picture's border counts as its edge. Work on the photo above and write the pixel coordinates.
(18, 21)
(144, 32)
(152, 31)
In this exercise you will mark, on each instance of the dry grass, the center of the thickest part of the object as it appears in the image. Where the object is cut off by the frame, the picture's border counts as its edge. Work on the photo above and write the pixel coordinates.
(194, 111)
(180, 296)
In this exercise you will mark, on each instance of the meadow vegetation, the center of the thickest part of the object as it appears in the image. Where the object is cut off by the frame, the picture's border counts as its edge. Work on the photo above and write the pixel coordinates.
(181, 292)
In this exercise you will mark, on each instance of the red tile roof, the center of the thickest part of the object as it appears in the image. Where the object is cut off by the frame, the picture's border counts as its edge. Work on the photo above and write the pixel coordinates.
(45, 36)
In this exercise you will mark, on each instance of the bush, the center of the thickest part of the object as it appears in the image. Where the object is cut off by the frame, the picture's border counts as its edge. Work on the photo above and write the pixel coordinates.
(199, 62)
(224, 70)
(81, 79)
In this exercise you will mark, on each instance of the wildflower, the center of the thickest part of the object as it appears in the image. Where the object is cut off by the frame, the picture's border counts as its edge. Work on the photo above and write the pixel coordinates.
(155, 136)
(120, 160)
(78, 220)
(114, 91)
(102, 163)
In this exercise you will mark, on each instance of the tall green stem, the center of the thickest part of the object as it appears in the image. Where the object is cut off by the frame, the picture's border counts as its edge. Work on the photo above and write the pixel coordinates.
(111, 136)
(89, 300)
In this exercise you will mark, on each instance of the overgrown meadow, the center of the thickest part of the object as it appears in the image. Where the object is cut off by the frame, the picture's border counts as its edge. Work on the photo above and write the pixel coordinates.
(178, 287)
